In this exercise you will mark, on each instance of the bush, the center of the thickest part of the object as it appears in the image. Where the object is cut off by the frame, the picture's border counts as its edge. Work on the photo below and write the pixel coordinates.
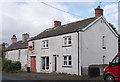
(9, 66)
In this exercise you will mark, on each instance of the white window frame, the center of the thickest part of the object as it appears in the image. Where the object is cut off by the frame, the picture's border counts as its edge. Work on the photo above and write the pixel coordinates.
(45, 62)
(67, 60)
(45, 44)
(66, 40)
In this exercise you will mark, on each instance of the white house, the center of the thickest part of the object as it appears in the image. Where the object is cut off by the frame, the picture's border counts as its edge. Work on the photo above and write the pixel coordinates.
(18, 50)
(72, 47)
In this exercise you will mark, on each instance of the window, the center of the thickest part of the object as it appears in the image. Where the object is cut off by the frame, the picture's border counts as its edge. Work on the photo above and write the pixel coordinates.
(45, 63)
(67, 40)
(67, 60)
(45, 44)
(33, 43)
(103, 42)
(116, 60)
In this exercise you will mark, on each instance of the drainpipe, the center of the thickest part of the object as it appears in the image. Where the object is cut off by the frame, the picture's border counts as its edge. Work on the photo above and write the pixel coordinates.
(78, 53)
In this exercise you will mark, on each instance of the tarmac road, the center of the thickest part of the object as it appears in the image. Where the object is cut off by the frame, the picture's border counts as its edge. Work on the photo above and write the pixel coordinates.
(32, 77)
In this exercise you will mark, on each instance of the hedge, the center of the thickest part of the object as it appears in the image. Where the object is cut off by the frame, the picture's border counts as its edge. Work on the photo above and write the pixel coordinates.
(9, 66)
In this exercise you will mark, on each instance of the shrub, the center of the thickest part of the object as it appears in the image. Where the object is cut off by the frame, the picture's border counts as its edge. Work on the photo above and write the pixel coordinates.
(9, 66)
(17, 65)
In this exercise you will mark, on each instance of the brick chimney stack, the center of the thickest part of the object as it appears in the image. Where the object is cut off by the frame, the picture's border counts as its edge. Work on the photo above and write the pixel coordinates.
(25, 37)
(98, 11)
(13, 39)
(57, 23)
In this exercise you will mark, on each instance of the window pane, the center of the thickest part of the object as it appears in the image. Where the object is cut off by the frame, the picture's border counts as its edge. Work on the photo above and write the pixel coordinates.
(69, 38)
(69, 42)
(43, 43)
(43, 63)
(69, 57)
(65, 62)
(70, 63)
(65, 40)
(46, 43)
(47, 62)
(116, 60)
(65, 57)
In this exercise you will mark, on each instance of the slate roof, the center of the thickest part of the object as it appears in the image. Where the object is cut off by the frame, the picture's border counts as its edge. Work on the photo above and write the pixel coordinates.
(17, 45)
(64, 29)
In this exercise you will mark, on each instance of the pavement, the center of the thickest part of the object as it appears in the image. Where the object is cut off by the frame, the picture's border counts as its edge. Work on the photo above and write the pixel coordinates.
(46, 76)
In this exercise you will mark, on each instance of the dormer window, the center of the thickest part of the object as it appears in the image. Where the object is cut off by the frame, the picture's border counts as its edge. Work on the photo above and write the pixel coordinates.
(45, 44)
(67, 40)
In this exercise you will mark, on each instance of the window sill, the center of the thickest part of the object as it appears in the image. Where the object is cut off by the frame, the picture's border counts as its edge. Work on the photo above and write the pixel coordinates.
(67, 66)
(45, 48)
(66, 45)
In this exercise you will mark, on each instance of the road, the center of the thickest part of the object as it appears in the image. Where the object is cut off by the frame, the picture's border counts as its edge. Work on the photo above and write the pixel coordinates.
(45, 76)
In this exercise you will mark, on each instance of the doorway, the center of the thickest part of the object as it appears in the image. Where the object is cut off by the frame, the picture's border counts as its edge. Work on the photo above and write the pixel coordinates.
(33, 64)
(55, 63)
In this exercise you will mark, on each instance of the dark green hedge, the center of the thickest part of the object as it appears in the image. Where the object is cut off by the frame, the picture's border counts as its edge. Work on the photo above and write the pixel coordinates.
(9, 66)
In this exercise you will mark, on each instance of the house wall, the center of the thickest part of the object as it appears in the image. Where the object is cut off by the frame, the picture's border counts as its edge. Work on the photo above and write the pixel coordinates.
(91, 43)
(91, 51)
(18, 55)
(12, 55)
(56, 47)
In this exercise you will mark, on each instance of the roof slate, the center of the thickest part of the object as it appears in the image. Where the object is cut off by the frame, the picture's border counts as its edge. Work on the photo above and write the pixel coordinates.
(17, 45)
(64, 29)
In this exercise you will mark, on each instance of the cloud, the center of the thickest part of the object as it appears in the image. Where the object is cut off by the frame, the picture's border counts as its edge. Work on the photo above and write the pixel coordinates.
(32, 18)
(111, 13)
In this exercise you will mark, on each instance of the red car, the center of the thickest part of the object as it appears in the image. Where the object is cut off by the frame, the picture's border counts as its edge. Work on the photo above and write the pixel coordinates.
(112, 71)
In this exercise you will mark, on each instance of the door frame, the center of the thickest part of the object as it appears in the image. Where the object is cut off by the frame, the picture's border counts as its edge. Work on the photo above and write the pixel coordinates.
(31, 62)
(55, 58)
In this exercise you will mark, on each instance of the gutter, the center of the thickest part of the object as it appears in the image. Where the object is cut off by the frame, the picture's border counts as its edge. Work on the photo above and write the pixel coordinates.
(78, 53)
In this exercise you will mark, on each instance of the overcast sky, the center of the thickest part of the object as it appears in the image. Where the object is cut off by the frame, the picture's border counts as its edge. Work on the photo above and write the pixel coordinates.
(34, 17)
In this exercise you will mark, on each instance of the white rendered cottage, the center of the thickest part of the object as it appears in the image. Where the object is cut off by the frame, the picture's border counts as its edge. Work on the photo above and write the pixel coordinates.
(18, 50)
(72, 47)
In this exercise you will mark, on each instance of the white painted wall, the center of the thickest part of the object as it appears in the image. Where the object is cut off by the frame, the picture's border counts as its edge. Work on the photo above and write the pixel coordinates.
(12, 55)
(92, 51)
(56, 48)
(15, 56)
(23, 58)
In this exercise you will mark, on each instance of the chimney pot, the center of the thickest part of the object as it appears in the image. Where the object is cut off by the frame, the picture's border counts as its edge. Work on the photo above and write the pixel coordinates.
(25, 37)
(13, 39)
(57, 23)
(98, 11)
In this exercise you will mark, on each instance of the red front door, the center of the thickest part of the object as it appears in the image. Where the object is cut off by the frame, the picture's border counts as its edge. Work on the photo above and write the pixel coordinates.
(33, 64)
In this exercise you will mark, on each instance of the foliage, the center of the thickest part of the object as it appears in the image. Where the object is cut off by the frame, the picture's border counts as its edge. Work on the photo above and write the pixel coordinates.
(113, 27)
(118, 35)
(9, 66)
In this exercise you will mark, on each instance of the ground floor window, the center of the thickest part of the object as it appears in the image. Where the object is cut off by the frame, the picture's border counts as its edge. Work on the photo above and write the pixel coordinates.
(45, 63)
(67, 60)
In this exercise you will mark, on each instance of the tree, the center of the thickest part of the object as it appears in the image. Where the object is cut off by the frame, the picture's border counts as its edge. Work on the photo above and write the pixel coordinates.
(118, 35)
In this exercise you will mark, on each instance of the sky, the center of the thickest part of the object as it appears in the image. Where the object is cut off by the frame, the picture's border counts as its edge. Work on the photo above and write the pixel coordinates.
(34, 17)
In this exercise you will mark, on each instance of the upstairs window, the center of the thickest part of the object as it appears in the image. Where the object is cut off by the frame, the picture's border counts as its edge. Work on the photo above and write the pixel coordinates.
(67, 40)
(45, 44)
